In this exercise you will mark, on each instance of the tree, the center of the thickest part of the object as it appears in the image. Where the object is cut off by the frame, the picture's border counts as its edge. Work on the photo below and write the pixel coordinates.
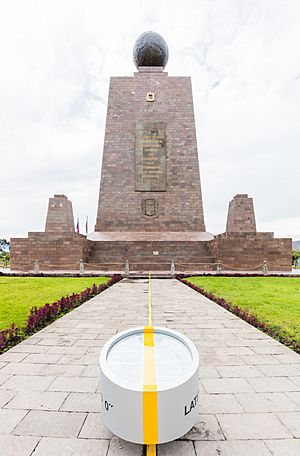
(4, 245)
(295, 255)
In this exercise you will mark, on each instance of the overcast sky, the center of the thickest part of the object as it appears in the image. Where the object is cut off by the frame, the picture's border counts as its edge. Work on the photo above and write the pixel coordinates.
(56, 60)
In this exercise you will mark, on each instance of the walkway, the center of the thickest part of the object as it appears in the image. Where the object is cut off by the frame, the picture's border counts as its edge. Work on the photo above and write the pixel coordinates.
(250, 384)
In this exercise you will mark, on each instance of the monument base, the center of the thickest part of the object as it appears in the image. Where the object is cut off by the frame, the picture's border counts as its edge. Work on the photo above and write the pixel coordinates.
(150, 251)
(59, 248)
(234, 251)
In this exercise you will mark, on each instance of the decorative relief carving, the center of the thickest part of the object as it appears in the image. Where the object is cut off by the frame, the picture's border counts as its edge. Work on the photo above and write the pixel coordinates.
(150, 208)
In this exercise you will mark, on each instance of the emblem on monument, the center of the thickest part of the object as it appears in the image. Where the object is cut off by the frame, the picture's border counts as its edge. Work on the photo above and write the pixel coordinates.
(150, 207)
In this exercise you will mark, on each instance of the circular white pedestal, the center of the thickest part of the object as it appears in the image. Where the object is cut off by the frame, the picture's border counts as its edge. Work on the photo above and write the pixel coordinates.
(174, 364)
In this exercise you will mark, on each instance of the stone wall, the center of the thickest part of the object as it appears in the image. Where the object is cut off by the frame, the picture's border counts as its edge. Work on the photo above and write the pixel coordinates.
(248, 250)
(150, 255)
(245, 251)
(52, 252)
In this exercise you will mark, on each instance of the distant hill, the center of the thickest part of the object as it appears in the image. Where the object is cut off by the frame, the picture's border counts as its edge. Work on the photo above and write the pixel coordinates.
(296, 245)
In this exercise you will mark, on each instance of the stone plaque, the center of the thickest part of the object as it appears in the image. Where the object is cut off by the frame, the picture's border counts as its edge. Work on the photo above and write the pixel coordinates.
(150, 157)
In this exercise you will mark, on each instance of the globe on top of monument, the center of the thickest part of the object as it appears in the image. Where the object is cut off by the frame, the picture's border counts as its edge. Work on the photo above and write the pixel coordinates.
(150, 49)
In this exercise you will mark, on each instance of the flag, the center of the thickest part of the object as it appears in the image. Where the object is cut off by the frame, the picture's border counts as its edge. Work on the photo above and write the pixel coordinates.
(86, 224)
(77, 226)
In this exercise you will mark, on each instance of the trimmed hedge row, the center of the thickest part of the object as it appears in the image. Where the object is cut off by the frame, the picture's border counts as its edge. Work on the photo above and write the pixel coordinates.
(252, 319)
(40, 317)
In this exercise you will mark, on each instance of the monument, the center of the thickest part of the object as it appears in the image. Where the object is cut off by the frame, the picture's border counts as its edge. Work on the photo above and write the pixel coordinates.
(150, 210)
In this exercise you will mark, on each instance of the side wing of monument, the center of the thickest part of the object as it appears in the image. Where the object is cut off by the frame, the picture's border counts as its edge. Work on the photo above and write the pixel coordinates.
(242, 248)
(56, 248)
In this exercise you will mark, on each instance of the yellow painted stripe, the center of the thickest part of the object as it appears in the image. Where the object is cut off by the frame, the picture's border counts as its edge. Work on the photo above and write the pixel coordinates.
(150, 425)
(149, 301)
(151, 450)
(149, 389)
(149, 360)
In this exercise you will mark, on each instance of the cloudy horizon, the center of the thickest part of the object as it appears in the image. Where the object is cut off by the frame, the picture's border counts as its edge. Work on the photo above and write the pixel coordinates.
(56, 61)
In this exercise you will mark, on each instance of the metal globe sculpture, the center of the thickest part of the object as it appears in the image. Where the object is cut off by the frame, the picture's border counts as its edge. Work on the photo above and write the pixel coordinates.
(150, 49)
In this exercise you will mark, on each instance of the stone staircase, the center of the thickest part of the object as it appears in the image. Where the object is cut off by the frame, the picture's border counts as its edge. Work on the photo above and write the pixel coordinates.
(143, 256)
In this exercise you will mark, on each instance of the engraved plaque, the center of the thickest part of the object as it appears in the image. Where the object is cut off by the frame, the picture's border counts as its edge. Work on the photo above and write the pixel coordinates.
(150, 157)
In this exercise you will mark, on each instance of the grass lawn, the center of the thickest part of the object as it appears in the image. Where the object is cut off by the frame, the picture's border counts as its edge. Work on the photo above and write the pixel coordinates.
(19, 294)
(274, 300)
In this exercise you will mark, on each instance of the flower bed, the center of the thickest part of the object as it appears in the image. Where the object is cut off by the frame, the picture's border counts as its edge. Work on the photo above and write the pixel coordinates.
(40, 317)
(250, 318)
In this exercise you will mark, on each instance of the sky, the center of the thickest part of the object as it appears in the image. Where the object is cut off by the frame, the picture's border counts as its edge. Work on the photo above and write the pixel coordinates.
(56, 61)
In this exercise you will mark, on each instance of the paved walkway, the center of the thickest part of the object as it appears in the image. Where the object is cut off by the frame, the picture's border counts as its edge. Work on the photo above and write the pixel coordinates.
(249, 383)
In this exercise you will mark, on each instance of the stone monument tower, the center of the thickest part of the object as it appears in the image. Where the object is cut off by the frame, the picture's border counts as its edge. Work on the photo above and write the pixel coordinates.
(150, 208)
(150, 173)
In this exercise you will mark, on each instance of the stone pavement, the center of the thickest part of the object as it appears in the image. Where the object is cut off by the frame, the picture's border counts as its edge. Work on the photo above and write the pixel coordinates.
(249, 383)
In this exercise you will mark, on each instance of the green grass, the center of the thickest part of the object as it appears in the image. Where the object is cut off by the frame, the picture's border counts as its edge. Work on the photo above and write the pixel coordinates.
(19, 294)
(274, 300)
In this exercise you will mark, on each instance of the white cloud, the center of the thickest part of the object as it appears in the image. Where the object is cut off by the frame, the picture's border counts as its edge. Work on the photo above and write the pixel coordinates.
(56, 60)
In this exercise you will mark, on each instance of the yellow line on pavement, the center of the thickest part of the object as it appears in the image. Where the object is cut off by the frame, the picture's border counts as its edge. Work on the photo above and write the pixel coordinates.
(151, 450)
(150, 422)
(149, 301)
